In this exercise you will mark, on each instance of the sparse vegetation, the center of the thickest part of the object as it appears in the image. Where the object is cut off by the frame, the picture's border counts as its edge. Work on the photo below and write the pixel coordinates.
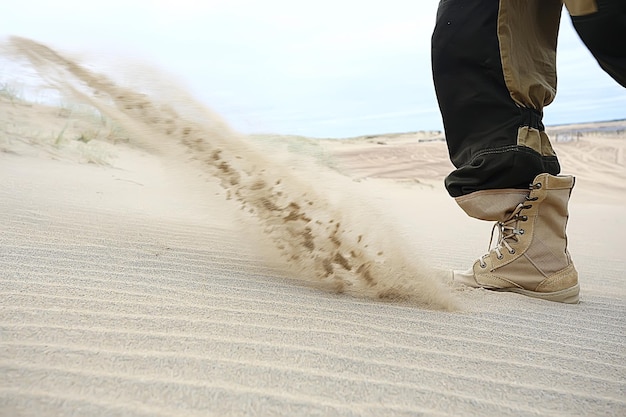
(67, 131)
(10, 92)
(59, 137)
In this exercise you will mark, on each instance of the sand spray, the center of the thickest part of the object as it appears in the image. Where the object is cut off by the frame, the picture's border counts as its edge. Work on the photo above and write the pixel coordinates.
(321, 240)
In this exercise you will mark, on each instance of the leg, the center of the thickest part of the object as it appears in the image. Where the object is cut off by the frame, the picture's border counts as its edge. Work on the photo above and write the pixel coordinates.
(494, 71)
(601, 25)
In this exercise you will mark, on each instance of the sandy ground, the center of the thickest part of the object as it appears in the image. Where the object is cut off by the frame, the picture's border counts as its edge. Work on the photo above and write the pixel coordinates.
(132, 284)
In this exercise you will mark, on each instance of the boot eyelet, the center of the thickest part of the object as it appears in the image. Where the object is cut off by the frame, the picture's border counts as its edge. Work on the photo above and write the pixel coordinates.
(538, 185)
(500, 256)
(512, 251)
(483, 266)
(524, 218)
(521, 231)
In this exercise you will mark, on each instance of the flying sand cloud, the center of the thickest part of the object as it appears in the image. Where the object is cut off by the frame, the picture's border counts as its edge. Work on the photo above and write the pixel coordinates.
(322, 240)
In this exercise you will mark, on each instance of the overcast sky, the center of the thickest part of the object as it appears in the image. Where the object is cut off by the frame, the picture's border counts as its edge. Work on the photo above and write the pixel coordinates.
(324, 68)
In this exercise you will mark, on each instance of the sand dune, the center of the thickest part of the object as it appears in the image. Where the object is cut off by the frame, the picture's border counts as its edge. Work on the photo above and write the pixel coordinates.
(134, 284)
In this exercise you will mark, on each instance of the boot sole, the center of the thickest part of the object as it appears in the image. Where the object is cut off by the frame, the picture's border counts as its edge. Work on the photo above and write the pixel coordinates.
(569, 295)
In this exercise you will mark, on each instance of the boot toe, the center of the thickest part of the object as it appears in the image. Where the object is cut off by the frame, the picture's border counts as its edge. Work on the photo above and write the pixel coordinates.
(465, 277)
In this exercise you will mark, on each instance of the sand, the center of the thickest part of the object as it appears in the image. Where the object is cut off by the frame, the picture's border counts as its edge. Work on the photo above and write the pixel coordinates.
(141, 276)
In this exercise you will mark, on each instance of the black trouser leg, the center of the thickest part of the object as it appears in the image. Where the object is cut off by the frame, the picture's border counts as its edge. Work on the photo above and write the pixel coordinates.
(604, 33)
(492, 108)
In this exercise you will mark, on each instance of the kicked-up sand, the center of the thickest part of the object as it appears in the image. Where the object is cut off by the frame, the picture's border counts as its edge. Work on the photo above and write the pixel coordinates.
(153, 262)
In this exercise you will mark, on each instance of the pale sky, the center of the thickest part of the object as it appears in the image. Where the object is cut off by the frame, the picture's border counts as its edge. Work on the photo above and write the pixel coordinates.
(325, 68)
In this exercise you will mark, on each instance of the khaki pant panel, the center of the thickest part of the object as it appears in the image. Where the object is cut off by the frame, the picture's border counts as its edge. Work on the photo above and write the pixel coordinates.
(536, 140)
(581, 7)
(527, 34)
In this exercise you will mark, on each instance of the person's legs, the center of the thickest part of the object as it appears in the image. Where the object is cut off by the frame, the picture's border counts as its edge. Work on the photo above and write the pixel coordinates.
(601, 25)
(494, 67)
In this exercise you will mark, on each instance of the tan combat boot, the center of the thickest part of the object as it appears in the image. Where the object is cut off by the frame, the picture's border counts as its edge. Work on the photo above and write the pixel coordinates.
(531, 256)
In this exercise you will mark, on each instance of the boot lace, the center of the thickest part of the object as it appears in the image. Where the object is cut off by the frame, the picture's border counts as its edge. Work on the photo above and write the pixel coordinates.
(509, 230)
